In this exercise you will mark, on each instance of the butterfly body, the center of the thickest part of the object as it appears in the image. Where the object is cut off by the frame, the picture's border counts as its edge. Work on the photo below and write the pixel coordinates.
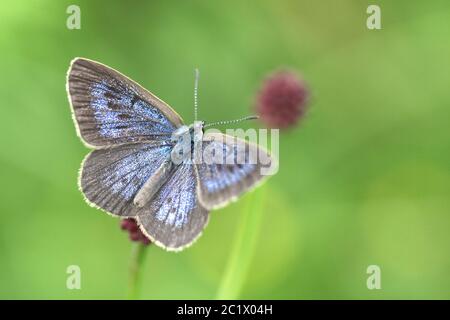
(154, 183)
(185, 138)
(146, 163)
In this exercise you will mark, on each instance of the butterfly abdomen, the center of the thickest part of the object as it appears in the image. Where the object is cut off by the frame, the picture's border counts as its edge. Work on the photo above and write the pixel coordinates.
(154, 183)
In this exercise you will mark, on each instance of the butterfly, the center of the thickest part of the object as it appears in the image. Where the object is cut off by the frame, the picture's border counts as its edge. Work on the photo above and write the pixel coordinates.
(146, 163)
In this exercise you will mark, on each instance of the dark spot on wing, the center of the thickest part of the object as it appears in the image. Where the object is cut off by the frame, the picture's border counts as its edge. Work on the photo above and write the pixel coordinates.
(109, 95)
(113, 106)
(123, 116)
(134, 100)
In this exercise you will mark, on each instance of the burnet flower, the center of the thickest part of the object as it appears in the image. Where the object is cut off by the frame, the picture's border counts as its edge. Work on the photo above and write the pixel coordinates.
(282, 100)
(135, 234)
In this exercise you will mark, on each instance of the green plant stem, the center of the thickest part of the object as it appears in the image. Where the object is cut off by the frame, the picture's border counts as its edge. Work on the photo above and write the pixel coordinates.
(137, 258)
(244, 245)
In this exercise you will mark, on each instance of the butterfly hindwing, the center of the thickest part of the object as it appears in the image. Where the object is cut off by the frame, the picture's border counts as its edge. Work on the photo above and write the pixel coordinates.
(110, 178)
(237, 168)
(174, 218)
(110, 109)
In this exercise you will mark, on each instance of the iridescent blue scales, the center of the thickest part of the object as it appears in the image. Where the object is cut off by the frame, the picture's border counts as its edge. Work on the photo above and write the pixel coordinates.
(175, 209)
(118, 113)
(110, 109)
(111, 177)
(131, 131)
(225, 176)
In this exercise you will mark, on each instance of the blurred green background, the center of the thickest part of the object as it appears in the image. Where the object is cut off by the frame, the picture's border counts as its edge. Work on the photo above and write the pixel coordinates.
(363, 180)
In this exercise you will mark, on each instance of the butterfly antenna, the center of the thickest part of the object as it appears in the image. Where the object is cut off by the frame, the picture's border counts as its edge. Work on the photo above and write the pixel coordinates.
(197, 75)
(230, 121)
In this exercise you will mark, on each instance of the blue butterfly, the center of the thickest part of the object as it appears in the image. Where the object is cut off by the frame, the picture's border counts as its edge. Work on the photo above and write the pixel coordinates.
(133, 170)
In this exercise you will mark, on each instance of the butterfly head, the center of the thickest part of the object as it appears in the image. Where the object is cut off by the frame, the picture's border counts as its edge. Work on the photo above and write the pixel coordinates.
(197, 126)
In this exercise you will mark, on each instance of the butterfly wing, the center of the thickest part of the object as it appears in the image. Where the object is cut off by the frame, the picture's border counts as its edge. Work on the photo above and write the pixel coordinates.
(174, 218)
(109, 108)
(110, 178)
(237, 168)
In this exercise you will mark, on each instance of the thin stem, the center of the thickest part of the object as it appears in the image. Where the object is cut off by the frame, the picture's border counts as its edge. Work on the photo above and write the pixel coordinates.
(244, 246)
(136, 260)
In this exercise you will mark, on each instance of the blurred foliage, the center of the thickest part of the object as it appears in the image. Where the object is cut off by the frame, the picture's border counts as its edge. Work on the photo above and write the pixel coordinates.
(363, 180)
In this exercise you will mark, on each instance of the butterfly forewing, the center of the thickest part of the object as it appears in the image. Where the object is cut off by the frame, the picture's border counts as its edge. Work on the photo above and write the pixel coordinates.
(175, 218)
(111, 109)
(236, 167)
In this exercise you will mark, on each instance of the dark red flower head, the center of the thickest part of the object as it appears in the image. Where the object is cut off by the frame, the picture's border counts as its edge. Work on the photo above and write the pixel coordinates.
(135, 233)
(282, 99)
